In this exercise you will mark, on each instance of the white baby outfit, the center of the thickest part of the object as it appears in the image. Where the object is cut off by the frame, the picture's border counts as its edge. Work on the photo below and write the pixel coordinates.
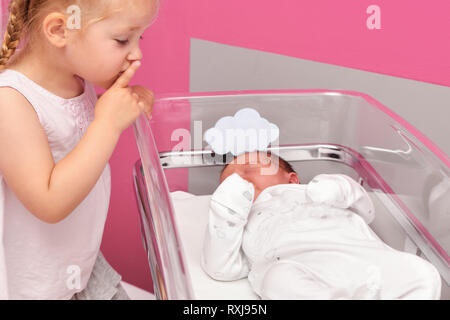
(308, 242)
(40, 260)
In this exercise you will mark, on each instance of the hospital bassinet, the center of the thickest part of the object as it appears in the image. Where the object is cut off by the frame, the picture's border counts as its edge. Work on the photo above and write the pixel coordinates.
(407, 177)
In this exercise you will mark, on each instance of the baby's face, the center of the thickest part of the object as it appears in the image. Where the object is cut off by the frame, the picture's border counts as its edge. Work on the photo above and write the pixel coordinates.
(261, 170)
(110, 46)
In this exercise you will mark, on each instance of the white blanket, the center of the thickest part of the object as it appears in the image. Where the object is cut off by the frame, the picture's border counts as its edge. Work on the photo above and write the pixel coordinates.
(308, 242)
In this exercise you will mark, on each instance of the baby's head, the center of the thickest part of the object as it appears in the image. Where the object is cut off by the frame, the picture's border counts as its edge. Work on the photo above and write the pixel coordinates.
(93, 39)
(262, 169)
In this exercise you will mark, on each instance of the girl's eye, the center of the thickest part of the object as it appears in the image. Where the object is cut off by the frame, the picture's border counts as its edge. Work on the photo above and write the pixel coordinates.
(122, 42)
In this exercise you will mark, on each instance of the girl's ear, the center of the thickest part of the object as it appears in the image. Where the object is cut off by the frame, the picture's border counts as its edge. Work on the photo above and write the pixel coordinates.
(54, 27)
(293, 178)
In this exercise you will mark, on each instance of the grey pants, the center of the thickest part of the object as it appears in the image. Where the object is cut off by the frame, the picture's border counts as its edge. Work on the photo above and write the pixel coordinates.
(104, 283)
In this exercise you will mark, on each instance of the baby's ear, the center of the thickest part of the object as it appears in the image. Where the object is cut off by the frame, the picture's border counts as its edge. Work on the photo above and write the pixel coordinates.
(293, 178)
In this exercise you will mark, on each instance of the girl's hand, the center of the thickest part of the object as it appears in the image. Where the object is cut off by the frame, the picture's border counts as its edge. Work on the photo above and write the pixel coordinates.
(121, 105)
(145, 96)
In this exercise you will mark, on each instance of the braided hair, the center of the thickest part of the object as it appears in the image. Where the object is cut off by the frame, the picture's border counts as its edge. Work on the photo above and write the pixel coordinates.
(17, 22)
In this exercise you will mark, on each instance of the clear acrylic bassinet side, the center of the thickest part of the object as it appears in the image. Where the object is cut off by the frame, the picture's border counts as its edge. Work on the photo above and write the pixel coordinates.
(158, 226)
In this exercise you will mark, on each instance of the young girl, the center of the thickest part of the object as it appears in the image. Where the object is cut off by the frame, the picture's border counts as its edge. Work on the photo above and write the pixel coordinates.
(56, 139)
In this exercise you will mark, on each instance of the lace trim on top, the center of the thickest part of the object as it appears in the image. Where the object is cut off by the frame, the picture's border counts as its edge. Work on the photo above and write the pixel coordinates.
(81, 107)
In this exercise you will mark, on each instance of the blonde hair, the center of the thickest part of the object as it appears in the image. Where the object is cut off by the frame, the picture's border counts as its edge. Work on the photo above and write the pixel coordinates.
(26, 17)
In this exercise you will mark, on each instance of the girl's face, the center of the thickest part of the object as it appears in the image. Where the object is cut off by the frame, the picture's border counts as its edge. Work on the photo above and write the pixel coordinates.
(110, 46)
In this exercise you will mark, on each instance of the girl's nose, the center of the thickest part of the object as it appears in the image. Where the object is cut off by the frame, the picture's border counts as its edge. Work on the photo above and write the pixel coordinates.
(135, 54)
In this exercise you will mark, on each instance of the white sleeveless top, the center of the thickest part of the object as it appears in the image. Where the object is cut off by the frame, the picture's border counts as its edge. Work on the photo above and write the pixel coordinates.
(40, 260)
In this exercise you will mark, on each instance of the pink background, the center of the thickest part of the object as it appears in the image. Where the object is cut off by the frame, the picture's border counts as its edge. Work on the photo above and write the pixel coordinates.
(413, 43)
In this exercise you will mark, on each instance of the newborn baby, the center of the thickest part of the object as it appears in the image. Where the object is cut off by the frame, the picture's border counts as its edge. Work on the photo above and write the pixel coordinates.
(311, 241)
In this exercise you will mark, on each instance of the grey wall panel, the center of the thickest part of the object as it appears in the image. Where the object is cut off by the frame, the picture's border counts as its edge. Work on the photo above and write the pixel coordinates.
(218, 67)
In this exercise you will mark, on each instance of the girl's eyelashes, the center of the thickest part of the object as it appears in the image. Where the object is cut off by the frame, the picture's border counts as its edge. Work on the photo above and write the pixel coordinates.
(124, 42)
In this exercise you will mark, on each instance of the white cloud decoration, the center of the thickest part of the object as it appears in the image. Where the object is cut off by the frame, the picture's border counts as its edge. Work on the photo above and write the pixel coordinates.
(247, 131)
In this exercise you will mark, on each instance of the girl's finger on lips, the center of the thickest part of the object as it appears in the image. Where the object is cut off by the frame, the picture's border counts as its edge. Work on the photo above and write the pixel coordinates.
(125, 78)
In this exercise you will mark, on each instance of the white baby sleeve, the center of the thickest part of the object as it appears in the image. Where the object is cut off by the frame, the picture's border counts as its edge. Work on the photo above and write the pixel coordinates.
(341, 191)
(222, 255)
